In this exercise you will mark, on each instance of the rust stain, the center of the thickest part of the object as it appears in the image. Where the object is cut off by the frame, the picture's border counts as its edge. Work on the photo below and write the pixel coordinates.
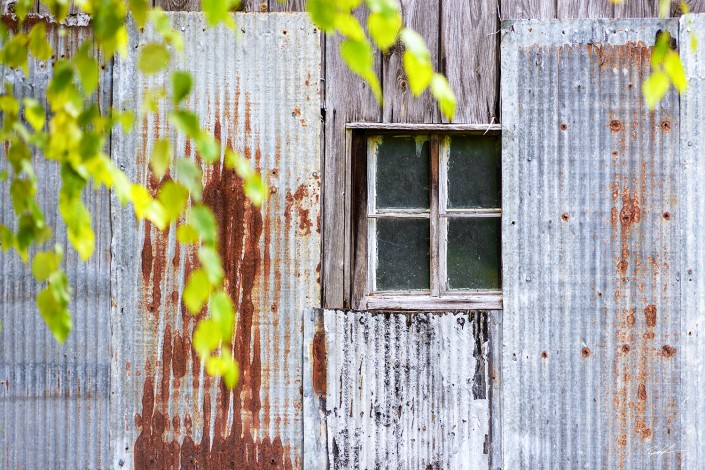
(650, 314)
(319, 363)
(166, 438)
(296, 202)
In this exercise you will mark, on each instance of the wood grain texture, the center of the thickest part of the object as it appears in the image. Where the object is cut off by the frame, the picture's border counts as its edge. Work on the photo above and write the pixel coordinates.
(254, 5)
(585, 9)
(636, 9)
(288, 5)
(178, 5)
(469, 57)
(400, 105)
(529, 9)
(695, 6)
(348, 99)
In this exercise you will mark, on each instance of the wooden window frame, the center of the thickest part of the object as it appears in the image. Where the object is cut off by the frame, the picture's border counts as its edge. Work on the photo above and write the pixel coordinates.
(360, 293)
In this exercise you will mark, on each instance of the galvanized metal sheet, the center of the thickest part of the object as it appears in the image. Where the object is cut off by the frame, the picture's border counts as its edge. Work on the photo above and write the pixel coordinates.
(692, 273)
(591, 242)
(258, 91)
(401, 390)
(54, 399)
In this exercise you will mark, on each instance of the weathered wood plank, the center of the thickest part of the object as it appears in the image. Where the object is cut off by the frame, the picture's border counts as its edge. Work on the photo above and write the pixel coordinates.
(253, 5)
(288, 5)
(585, 9)
(636, 9)
(400, 105)
(349, 100)
(178, 5)
(528, 9)
(469, 42)
(694, 6)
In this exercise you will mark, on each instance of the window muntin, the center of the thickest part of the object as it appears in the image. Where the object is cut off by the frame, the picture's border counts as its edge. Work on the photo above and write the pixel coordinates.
(433, 215)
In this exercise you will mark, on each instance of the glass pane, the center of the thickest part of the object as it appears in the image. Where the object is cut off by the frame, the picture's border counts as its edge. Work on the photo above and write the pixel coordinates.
(403, 173)
(474, 253)
(403, 258)
(474, 172)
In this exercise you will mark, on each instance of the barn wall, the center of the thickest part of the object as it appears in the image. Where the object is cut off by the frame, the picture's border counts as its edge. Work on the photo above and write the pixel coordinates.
(591, 234)
(258, 93)
(54, 400)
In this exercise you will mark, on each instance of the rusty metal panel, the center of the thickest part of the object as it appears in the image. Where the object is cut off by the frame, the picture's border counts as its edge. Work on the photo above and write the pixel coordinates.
(401, 390)
(258, 91)
(54, 399)
(692, 198)
(591, 249)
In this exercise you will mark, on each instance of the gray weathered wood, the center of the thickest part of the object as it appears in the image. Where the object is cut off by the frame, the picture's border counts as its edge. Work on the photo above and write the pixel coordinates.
(400, 105)
(636, 9)
(585, 9)
(401, 127)
(178, 5)
(288, 5)
(350, 99)
(528, 9)
(469, 41)
(694, 6)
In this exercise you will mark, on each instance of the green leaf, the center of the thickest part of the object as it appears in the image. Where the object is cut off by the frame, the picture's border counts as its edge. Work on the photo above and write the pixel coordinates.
(139, 9)
(444, 95)
(196, 292)
(46, 263)
(154, 57)
(349, 26)
(9, 105)
(222, 312)
(187, 235)
(661, 48)
(211, 265)
(54, 312)
(322, 13)
(664, 8)
(23, 7)
(34, 113)
(38, 44)
(161, 157)
(358, 55)
(224, 366)
(186, 122)
(173, 198)
(673, 66)
(208, 147)
(189, 174)
(59, 9)
(384, 29)
(203, 221)
(150, 101)
(655, 88)
(14, 52)
(256, 190)
(217, 11)
(88, 69)
(7, 238)
(417, 61)
(181, 84)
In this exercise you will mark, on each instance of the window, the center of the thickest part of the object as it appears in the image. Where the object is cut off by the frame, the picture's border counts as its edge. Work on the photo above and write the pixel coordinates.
(430, 207)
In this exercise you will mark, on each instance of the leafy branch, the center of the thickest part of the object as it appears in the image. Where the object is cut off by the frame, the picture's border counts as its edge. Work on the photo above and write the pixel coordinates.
(73, 132)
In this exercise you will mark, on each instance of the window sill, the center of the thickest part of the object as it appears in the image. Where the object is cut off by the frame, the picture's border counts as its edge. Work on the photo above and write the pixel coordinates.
(425, 303)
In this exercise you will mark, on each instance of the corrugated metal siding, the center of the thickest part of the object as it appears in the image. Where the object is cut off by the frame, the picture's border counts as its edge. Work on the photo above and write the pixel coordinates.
(259, 92)
(54, 399)
(591, 332)
(403, 391)
(692, 272)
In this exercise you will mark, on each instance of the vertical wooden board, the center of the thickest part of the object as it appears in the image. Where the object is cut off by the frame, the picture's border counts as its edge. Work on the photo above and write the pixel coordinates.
(258, 92)
(694, 6)
(400, 105)
(528, 9)
(636, 9)
(585, 9)
(178, 5)
(288, 5)
(348, 99)
(253, 5)
(469, 42)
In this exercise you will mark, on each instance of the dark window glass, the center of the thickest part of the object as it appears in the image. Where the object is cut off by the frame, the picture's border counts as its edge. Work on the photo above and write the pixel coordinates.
(474, 173)
(403, 258)
(403, 173)
(474, 253)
